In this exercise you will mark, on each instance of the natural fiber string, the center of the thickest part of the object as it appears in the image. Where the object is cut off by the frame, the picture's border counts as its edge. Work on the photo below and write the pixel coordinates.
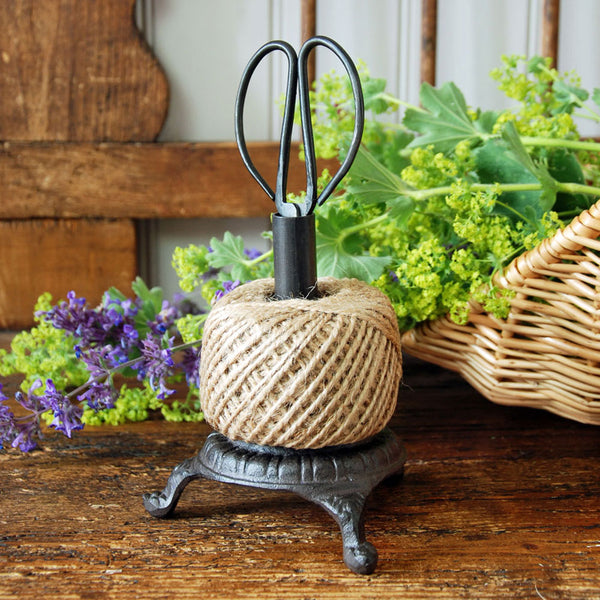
(546, 354)
(301, 373)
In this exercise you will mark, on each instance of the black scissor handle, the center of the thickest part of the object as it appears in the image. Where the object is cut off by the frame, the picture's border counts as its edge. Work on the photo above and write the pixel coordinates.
(298, 79)
(286, 129)
(307, 130)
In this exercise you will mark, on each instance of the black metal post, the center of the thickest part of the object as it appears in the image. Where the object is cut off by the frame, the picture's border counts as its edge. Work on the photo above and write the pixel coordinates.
(294, 256)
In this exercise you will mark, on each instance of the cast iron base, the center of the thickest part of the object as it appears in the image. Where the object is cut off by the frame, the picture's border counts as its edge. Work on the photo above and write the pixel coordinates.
(338, 479)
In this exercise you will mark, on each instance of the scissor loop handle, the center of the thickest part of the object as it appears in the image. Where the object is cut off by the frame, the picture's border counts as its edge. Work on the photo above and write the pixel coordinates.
(286, 129)
(307, 130)
(298, 80)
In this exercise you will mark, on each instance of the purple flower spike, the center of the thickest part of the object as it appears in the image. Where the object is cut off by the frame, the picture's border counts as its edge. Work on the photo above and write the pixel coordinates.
(228, 286)
(99, 396)
(164, 319)
(191, 366)
(20, 432)
(97, 361)
(8, 430)
(67, 416)
(25, 436)
(157, 365)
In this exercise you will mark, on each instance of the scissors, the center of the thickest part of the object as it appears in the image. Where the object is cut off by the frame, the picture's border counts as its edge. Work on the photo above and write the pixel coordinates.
(297, 79)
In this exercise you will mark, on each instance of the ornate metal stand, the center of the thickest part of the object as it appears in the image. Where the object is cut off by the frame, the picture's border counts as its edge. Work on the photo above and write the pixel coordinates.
(338, 479)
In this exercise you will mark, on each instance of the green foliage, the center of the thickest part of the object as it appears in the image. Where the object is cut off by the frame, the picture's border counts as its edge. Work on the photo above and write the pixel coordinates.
(341, 250)
(43, 352)
(445, 121)
(46, 352)
(133, 404)
(434, 207)
(214, 268)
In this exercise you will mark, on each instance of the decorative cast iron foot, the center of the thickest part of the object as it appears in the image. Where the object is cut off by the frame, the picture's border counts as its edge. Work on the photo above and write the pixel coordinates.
(338, 479)
(162, 504)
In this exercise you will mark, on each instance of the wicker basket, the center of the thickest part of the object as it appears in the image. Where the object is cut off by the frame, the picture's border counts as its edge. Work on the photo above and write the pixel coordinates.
(546, 354)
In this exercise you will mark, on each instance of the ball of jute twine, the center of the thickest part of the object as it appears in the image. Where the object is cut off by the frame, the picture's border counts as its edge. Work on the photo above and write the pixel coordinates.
(301, 373)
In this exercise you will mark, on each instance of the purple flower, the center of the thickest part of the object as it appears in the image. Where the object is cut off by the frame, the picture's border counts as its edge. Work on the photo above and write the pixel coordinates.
(25, 434)
(20, 432)
(67, 416)
(98, 361)
(99, 396)
(8, 430)
(126, 308)
(117, 356)
(164, 319)
(156, 364)
(228, 286)
(190, 365)
(75, 317)
(31, 401)
(252, 253)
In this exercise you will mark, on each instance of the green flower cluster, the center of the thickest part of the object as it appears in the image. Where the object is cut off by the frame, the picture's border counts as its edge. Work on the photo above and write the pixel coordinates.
(437, 205)
(43, 349)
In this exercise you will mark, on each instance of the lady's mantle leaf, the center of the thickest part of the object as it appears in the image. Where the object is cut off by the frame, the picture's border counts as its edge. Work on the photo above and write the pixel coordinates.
(229, 252)
(445, 120)
(341, 255)
(372, 92)
(372, 182)
(507, 161)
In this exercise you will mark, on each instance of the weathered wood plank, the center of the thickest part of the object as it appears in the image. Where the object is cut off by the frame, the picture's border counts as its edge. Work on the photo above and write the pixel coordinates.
(428, 41)
(496, 502)
(138, 180)
(550, 28)
(77, 71)
(56, 256)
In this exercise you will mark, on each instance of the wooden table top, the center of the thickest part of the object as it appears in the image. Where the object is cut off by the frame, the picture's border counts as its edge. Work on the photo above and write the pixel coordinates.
(496, 502)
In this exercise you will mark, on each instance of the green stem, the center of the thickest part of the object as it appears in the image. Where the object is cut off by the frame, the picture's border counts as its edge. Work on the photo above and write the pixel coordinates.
(516, 212)
(393, 100)
(364, 225)
(110, 372)
(561, 143)
(255, 261)
(569, 188)
(476, 187)
(578, 188)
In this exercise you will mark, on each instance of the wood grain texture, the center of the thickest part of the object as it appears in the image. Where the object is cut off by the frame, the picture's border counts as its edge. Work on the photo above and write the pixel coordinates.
(139, 180)
(550, 27)
(496, 503)
(56, 256)
(77, 71)
(308, 29)
(428, 41)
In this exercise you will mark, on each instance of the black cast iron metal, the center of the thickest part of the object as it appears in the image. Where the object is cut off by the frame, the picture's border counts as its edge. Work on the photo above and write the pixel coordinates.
(338, 479)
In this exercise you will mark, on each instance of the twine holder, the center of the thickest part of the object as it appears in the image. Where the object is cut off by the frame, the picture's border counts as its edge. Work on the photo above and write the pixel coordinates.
(301, 373)
(299, 377)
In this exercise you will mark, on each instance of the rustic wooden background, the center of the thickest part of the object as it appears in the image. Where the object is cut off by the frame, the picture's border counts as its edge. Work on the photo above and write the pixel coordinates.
(83, 101)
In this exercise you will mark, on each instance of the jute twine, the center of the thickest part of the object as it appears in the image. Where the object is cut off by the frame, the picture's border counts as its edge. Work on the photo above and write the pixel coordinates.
(301, 373)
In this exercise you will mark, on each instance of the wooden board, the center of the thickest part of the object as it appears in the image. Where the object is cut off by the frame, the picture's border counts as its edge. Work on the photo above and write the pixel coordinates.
(496, 503)
(139, 180)
(56, 256)
(71, 72)
(77, 71)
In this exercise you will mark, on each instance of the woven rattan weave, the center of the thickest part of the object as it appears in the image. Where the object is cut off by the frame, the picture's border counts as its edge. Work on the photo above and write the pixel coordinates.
(546, 354)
